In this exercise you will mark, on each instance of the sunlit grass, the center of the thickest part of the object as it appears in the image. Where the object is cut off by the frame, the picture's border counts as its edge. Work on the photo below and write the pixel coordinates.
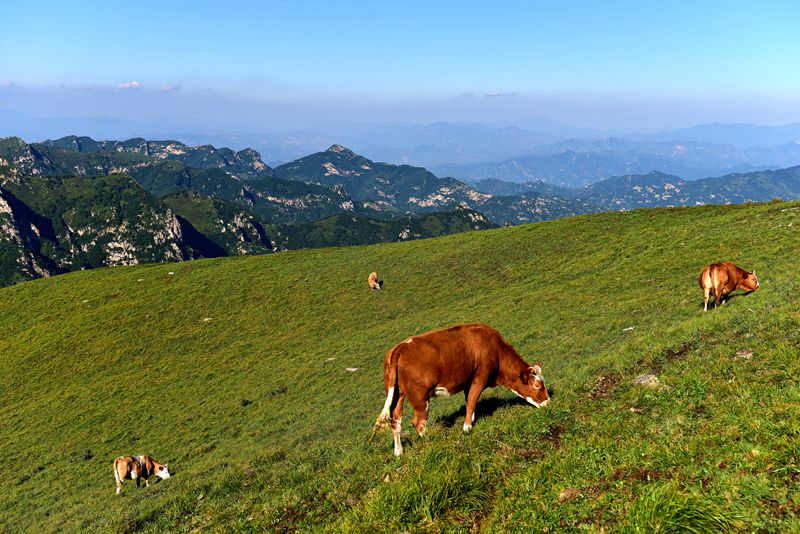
(234, 372)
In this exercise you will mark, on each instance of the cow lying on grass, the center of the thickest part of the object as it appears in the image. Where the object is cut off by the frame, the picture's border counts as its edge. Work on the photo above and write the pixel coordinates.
(137, 467)
(466, 358)
(723, 278)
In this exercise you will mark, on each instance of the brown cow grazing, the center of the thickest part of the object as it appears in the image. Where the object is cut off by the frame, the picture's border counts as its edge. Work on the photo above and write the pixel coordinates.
(137, 467)
(373, 280)
(723, 278)
(440, 363)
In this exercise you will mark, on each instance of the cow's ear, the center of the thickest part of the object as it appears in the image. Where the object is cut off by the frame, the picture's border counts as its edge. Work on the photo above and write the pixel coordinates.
(524, 376)
(537, 369)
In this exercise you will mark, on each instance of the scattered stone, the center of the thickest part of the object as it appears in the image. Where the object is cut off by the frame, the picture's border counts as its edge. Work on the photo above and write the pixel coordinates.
(636, 410)
(140, 280)
(207, 319)
(744, 354)
(171, 272)
(351, 369)
(648, 381)
(628, 329)
(84, 301)
(330, 359)
(568, 494)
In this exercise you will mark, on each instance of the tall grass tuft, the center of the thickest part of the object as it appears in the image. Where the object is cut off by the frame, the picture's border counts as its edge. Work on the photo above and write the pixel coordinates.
(665, 509)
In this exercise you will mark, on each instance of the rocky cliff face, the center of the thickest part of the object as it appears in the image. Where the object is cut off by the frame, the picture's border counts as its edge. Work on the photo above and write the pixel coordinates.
(245, 163)
(53, 225)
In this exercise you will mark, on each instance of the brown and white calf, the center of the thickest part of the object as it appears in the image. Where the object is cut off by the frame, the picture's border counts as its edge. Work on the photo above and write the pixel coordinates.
(468, 358)
(723, 278)
(373, 280)
(137, 467)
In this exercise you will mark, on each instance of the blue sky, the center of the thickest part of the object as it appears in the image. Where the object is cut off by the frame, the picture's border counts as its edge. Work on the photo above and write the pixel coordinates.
(279, 65)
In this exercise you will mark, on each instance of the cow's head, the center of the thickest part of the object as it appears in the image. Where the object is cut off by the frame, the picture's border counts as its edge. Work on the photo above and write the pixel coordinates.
(162, 471)
(749, 282)
(531, 386)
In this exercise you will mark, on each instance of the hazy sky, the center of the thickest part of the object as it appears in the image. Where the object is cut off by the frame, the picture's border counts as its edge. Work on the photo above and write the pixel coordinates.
(266, 66)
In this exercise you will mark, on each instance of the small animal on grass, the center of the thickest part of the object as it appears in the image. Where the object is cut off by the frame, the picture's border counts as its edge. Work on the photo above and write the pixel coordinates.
(468, 358)
(720, 279)
(137, 467)
(373, 281)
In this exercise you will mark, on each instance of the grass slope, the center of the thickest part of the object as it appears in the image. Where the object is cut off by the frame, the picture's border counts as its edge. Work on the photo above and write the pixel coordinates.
(233, 371)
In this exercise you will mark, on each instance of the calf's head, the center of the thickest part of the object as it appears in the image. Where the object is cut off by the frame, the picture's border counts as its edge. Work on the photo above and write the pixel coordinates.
(748, 282)
(162, 471)
(531, 386)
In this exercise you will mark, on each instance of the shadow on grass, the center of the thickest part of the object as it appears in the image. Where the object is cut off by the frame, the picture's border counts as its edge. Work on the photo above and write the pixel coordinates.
(485, 408)
(723, 300)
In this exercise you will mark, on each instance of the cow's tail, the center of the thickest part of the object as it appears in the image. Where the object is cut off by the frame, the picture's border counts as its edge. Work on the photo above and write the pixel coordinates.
(116, 473)
(390, 382)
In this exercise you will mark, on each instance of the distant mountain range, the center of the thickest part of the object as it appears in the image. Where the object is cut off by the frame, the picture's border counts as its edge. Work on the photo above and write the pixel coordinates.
(657, 189)
(76, 203)
(578, 163)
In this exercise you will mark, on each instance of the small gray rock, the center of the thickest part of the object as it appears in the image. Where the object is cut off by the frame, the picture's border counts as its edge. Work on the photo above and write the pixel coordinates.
(744, 354)
(648, 381)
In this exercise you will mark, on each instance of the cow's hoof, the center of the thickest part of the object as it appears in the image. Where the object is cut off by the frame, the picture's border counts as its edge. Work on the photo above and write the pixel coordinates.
(467, 427)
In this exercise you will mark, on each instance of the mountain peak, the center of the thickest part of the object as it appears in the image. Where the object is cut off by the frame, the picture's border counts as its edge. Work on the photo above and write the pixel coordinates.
(339, 149)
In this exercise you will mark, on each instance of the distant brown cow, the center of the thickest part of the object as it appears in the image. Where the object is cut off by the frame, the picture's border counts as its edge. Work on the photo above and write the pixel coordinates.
(723, 278)
(373, 281)
(137, 467)
(466, 358)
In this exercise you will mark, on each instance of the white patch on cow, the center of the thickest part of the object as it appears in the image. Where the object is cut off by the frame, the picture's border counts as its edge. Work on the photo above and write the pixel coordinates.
(530, 400)
(473, 418)
(387, 405)
(118, 490)
(441, 392)
(409, 340)
(398, 446)
(467, 427)
(134, 474)
(164, 473)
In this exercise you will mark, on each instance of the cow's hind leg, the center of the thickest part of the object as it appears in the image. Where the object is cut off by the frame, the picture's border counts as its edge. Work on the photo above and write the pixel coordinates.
(396, 423)
(706, 292)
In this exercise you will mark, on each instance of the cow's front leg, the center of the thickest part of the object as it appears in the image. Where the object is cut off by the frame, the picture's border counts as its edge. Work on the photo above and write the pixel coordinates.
(420, 420)
(146, 483)
(475, 390)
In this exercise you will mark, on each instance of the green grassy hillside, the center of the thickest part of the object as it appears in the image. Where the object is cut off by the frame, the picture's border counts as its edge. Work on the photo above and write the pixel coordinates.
(234, 371)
